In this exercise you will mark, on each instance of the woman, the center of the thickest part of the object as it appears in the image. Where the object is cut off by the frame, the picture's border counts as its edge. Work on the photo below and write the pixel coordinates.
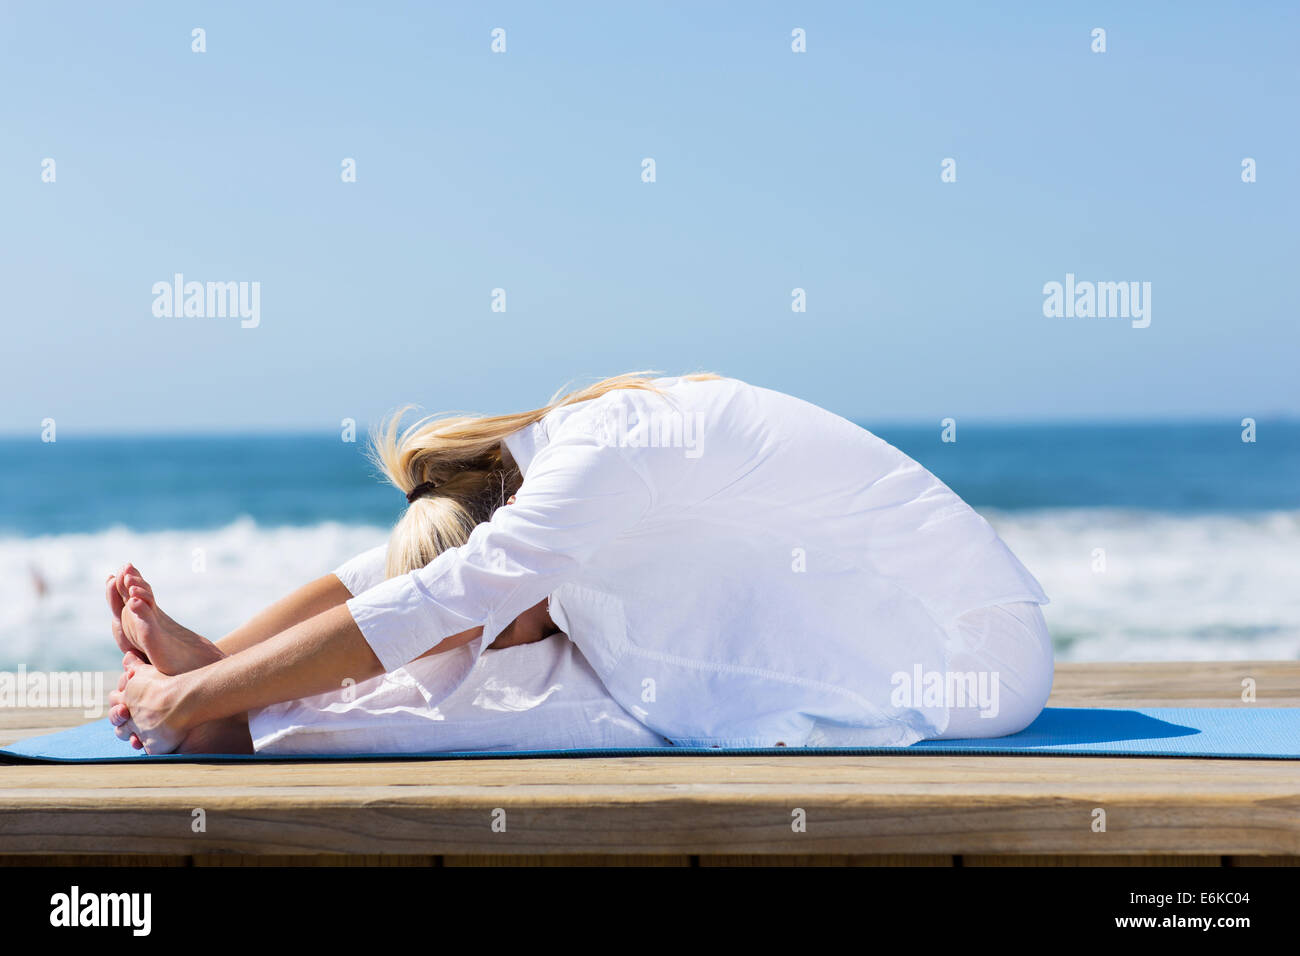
(738, 567)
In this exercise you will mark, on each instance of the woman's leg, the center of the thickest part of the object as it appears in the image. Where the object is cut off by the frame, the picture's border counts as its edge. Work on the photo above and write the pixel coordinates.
(175, 649)
(1005, 653)
(537, 696)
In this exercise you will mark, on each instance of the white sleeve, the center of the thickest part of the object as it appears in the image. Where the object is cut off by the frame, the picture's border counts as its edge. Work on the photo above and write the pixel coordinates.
(363, 572)
(577, 495)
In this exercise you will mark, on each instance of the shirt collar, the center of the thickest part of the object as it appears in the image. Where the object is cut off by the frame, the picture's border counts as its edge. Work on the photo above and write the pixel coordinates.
(524, 444)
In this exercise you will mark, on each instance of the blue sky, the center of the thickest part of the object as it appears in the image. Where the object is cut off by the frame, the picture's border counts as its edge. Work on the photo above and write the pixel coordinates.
(522, 171)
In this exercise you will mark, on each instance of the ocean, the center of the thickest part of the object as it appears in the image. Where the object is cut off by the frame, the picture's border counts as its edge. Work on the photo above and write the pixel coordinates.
(1154, 541)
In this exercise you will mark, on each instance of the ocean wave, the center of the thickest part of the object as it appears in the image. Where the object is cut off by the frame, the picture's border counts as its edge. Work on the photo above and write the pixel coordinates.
(1125, 585)
(1135, 585)
(209, 580)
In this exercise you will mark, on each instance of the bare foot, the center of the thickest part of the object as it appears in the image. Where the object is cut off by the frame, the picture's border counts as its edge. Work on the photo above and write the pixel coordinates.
(141, 629)
(139, 626)
(228, 735)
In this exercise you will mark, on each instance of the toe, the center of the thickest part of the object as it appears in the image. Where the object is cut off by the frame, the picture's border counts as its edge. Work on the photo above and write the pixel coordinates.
(141, 594)
(133, 577)
(112, 595)
(115, 622)
(115, 604)
(136, 579)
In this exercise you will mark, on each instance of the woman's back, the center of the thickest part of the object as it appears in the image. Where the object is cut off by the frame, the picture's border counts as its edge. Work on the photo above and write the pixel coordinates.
(786, 555)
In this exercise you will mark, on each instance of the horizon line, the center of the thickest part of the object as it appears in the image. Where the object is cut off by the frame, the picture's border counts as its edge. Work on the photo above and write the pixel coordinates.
(301, 431)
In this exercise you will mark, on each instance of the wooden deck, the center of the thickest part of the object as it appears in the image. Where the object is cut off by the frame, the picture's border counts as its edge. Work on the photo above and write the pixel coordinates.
(682, 811)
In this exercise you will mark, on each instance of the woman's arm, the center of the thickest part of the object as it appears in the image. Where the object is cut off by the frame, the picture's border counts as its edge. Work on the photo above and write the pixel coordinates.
(309, 658)
(303, 604)
(312, 657)
(353, 577)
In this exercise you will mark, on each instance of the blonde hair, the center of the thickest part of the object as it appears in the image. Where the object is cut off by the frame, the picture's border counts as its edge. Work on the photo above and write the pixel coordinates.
(461, 454)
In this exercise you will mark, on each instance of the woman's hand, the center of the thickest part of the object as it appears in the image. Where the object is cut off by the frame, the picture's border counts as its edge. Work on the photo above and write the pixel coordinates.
(146, 707)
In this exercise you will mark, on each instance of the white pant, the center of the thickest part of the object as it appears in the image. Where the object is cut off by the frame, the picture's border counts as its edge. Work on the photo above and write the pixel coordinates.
(1012, 642)
(545, 696)
(541, 696)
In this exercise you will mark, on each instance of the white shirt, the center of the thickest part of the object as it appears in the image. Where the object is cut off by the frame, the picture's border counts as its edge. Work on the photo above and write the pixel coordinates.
(737, 565)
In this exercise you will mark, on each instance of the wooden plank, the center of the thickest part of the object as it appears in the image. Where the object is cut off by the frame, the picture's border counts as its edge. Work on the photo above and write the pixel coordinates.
(661, 805)
(104, 860)
(18, 725)
(96, 859)
(1199, 684)
(1115, 860)
(322, 859)
(1261, 861)
(877, 859)
(565, 859)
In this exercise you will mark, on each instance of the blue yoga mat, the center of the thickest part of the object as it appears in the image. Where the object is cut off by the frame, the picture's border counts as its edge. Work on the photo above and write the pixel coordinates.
(1257, 733)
